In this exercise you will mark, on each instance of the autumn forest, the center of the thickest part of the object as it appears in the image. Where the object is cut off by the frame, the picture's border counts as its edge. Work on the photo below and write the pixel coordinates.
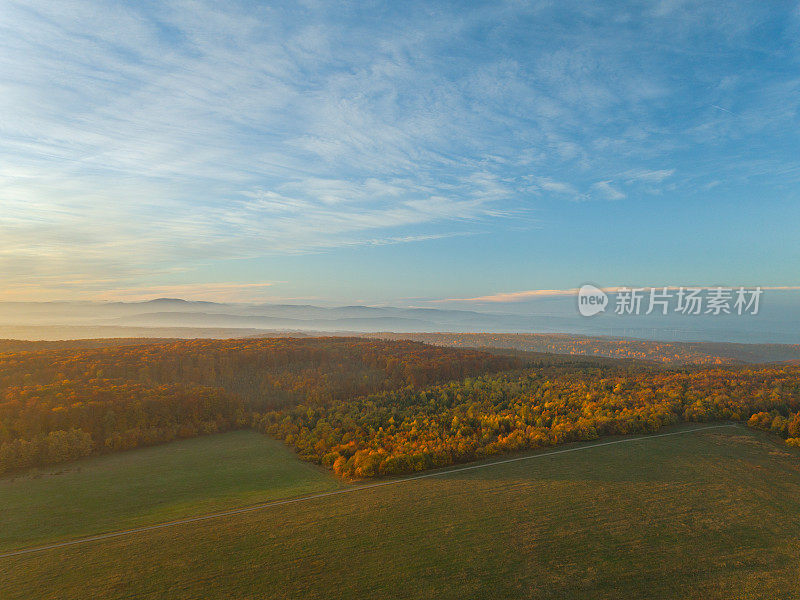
(362, 407)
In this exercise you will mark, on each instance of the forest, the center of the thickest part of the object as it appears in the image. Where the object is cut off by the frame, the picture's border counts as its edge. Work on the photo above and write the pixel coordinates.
(363, 407)
(409, 430)
(664, 352)
(58, 405)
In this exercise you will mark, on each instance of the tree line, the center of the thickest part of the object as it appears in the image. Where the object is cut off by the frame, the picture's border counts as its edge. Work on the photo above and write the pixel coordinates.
(408, 430)
(666, 353)
(62, 404)
(363, 407)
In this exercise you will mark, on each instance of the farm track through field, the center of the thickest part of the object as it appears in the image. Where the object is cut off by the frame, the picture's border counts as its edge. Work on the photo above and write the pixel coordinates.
(265, 505)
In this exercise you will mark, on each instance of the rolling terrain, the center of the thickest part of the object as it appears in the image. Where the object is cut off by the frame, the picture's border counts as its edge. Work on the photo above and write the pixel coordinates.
(363, 407)
(664, 352)
(150, 485)
(712, 514)
(777, 322)
(501, 474)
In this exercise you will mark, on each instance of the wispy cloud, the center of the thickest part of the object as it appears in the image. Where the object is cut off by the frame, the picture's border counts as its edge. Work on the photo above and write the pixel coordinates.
(559, 187)
(146, 139)
(608, 190)
(502, 297)
(648, 176)
(511, 297)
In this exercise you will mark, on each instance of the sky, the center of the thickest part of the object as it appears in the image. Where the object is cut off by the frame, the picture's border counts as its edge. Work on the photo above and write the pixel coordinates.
(402, 153)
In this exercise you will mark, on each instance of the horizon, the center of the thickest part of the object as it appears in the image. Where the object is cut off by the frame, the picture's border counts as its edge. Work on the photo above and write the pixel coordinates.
(774, 319)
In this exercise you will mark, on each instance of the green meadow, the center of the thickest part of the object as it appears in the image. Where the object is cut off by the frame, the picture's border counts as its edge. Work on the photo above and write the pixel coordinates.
(706, 514)
(151, 485)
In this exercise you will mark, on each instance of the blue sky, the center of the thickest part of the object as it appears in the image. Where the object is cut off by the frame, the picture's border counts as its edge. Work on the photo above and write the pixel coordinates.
(402, 153)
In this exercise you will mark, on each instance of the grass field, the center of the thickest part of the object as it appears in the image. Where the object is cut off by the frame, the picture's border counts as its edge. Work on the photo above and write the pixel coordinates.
(711, 514)
(151, 485)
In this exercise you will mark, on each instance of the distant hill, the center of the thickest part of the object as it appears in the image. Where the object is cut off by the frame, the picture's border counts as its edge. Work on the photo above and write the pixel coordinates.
(174, 317)
(665, 352)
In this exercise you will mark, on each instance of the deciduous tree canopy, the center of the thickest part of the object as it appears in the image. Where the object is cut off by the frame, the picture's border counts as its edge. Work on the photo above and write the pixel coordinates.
(56, 405)
(363, 407)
